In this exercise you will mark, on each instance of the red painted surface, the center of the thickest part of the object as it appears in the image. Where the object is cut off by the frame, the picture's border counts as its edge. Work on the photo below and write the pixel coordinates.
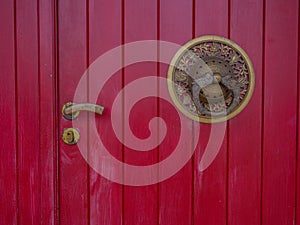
(72, 62)
(45, 47)
(8, 146)
(106, 197)
(210, 186)
(28, 150)
(244, 157)
(176, 194)
(47, 119)
(279, 128)
(140, 204)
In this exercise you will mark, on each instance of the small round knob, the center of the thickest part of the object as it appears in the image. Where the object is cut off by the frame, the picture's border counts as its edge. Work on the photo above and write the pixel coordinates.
(71, 136)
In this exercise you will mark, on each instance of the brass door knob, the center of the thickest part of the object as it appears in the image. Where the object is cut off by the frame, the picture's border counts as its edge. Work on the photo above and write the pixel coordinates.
(71, 136)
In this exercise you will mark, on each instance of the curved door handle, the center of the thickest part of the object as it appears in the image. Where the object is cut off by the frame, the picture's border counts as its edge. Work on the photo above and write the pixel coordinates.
(72, 110)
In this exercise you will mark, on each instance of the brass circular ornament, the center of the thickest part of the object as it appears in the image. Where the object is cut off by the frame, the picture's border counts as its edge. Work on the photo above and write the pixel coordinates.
(211, 79)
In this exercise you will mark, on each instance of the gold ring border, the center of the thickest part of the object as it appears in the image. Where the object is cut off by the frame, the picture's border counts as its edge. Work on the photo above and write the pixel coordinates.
(224, 41)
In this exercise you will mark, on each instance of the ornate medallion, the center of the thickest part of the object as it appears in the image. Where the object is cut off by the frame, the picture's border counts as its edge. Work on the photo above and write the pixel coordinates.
(211, 79)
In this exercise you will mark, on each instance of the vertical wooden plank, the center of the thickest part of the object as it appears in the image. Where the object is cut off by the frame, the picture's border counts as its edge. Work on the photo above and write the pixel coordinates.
(140, 23)
(73, 169)
(210, 186)
(8, 160)
(297, 209)
(28, 111)
(297, 197)
(280, 95)
(105, 33)
(244, 147)
(175, 194)
(217, 23)
(47, 112)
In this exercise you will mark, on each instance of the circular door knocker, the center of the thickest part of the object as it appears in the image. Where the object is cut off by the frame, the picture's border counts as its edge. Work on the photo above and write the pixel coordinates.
(211, 79)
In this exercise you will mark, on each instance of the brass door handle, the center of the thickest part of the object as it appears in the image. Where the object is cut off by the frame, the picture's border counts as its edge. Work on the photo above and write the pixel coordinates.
(72, 110)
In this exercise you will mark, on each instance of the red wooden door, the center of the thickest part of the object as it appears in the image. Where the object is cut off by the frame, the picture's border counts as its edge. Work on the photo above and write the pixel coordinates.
(46, 47)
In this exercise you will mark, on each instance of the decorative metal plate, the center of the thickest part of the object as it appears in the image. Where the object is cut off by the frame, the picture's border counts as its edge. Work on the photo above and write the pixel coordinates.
(211, 79)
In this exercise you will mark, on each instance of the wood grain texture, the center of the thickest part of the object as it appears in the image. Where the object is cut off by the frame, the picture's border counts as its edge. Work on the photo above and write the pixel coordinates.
(28, 112)
(280, 102)
(48, 155)
(140, 23)
(105, 33)
(73, 170)
(8, 144)
(297, 197)
(244, 145)
(210, 186)
(175, 194)
(253, 180)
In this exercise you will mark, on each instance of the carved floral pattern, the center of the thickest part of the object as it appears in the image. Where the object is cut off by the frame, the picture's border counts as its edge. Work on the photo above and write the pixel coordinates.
(195, 71)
